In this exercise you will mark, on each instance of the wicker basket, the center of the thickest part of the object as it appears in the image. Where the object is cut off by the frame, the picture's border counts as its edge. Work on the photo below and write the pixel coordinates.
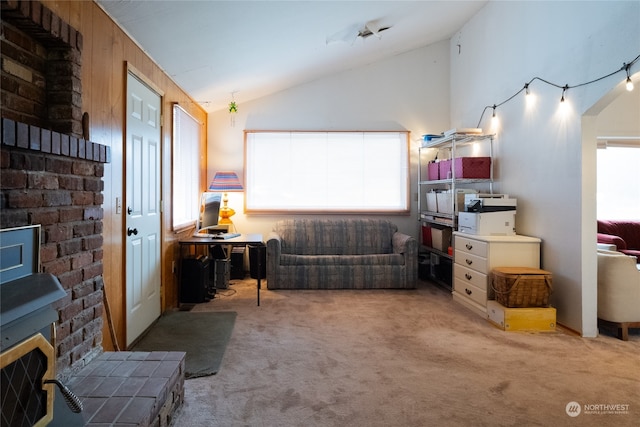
(521, 286)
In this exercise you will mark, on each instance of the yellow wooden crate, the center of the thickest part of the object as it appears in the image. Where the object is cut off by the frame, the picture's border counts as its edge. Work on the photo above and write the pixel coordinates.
(521, 319)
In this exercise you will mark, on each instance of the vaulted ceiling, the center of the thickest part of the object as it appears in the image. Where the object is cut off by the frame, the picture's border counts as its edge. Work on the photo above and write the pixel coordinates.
(242, 50)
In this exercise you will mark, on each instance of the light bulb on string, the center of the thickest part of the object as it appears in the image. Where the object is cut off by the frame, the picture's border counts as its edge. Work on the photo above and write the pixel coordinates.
(529, 97)
(564, 104)
(494, 119)
(564, 89)
(629, 82)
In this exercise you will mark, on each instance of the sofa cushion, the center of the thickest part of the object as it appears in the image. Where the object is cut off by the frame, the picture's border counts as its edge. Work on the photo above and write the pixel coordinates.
(629, 231)
(329, 260)
(336, 237)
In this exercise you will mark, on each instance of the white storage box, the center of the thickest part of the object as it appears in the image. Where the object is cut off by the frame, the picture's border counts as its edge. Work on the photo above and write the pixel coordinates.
(488, 223)
(444, 200)
(432, 201)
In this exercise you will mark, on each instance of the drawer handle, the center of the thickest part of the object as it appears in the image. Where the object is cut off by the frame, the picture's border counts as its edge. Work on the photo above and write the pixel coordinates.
(469, 292)
(468, 276)
(469, 262)
(469, 246)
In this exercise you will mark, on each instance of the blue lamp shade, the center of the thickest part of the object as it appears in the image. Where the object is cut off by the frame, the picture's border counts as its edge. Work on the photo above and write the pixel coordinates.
(226, 182)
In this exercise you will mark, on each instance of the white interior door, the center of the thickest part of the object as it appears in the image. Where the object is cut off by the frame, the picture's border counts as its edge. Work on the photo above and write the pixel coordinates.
(143, 207)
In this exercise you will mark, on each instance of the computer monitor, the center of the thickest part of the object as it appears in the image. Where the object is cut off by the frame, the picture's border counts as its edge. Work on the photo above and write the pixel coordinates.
(209, 210)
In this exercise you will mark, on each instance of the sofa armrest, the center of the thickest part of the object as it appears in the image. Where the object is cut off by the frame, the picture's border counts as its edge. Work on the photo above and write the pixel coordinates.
(408, 247)
(612, 240)
(402, 243)
(274, 249)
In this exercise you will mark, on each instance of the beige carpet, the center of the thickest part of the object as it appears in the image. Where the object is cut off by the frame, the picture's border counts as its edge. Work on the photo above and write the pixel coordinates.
(403, 358)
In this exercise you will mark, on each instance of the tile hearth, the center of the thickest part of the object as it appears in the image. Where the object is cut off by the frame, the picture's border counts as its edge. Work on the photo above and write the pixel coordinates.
(131, 388)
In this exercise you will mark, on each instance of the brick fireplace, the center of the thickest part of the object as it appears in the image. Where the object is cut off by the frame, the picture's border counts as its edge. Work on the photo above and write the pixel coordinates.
(51, 174)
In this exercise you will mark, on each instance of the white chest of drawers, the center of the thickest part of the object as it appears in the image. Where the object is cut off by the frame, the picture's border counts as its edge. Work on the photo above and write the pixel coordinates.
(474, 258)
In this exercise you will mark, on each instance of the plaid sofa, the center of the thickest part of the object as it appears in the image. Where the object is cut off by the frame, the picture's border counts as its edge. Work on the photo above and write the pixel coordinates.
(340, 254)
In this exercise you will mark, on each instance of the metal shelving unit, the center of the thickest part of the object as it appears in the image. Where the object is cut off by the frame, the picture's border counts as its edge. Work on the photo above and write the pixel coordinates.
(450, 145)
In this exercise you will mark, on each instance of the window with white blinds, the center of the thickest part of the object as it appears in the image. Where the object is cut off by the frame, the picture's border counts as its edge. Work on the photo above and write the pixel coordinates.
(304, 172)
(186, 168)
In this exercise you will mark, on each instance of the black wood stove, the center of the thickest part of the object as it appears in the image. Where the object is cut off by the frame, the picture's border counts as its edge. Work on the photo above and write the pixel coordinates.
(27, 335)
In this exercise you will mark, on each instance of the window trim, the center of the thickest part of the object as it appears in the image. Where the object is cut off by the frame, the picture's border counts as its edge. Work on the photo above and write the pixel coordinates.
(406, 210)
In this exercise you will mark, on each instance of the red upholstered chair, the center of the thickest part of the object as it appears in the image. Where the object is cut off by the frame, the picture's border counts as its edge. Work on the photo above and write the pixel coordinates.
(625, 235)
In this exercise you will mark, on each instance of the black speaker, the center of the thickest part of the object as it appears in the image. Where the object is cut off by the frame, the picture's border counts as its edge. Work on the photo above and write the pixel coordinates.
(195, 279)
(237, 262)
(258, 255)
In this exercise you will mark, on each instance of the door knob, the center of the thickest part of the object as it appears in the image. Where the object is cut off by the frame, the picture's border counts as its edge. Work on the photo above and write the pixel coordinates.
(131, 231)
(129, 210)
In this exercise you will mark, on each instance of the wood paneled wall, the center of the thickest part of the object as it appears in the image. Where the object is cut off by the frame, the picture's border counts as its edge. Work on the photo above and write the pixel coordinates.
(106, 52)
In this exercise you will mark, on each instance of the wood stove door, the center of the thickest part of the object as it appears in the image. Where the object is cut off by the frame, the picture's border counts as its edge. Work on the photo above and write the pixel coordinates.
(143, 200)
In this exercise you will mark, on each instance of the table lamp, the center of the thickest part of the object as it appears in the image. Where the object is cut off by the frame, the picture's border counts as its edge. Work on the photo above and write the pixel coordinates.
(225, 182)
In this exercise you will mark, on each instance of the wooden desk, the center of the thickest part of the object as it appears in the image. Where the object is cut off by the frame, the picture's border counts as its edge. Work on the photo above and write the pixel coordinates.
(241, 240)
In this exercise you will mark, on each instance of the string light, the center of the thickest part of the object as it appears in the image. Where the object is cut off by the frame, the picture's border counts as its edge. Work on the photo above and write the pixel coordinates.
(625, 67)
(564, 89)
(629, 82)
(494, 121)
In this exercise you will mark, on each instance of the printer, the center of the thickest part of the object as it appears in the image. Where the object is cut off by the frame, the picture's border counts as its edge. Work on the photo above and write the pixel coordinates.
(488, 214)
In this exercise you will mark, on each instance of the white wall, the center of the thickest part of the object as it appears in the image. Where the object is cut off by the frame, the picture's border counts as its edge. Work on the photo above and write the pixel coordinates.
(621, 116)
(407, 92)
(544, 158)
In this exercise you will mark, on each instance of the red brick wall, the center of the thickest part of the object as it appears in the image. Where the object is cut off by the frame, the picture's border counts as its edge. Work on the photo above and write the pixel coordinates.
(49, 174)
(63, 194)
(41, 68)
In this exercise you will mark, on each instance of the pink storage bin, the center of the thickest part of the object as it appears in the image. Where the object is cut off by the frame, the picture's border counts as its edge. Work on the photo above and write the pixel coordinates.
(433, 171)
(445, 168)
(473, 167)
